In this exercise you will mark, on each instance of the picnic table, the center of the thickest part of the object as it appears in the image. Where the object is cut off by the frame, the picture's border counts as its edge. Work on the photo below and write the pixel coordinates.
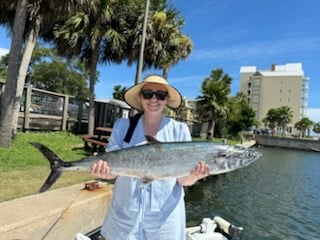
(97, 141)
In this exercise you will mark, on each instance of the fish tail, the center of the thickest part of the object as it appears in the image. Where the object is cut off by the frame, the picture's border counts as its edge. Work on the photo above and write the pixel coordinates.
(56, 165)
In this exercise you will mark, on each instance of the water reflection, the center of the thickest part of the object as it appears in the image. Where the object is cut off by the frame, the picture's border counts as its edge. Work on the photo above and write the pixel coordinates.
(277, 197)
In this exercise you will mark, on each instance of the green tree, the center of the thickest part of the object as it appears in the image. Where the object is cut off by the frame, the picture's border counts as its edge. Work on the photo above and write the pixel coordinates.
(279, 117)
(4, 67)
(109, 31)
(10, 99)
(118, 92)
(271, 119)
(165, 44)
(83, 34)
(59, 75)
(265, 122)
(212, 105)
(241, 115)
(169, 44)
(316, 128)
(98, 33)
(27, 20)
(84, 29)
(284, 116)
(181, 110)
(303, 125)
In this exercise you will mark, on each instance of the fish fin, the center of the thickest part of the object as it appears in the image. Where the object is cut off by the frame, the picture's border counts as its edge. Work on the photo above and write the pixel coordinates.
(151, 139)
(56, 165)
(52, 178)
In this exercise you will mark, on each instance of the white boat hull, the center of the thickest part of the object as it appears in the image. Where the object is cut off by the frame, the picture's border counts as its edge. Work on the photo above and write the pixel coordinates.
(209, 229)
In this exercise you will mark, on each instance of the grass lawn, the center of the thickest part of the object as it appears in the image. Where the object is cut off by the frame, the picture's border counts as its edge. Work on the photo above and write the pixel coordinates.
(23, 169)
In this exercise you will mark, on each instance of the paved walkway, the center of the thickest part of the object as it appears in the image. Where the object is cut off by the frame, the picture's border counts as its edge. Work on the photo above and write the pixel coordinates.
(247, 144)
(56, 214)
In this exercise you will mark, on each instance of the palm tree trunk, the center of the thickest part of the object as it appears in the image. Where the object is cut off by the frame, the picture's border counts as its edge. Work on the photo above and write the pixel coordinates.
(93, 76)
(210, 132)
(165, 72)
(10, 99)
(27, 54)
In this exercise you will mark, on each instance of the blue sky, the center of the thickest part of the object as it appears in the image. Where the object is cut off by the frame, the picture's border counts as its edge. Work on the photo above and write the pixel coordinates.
(230, 34)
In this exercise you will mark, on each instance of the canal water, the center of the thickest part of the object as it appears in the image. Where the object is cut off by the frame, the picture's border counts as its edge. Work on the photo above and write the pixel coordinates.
(277, 197)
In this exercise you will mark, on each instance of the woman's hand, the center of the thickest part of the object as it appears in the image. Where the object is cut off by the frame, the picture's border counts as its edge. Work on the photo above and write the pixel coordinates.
(102, 170)
(199, 172)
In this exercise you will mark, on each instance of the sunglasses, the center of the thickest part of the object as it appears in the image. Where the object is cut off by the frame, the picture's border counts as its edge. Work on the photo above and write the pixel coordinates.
(148, 94)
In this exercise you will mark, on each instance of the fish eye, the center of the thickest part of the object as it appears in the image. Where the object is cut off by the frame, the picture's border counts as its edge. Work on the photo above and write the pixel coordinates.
(249, 154)
(223, 154)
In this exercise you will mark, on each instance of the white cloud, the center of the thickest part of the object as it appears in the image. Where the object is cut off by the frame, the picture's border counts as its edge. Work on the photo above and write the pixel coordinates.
(313, 114)
(3, 51)
(256, 50)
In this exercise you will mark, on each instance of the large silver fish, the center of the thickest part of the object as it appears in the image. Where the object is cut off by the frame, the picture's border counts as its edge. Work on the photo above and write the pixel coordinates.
(157, 160)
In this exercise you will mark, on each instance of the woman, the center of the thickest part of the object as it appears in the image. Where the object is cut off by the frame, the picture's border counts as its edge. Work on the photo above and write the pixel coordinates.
(156, 210)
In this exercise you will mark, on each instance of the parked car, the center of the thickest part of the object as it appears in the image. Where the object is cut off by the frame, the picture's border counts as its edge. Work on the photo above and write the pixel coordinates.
(34, 106)
(54, 106)
(262, 131)
(74, 108)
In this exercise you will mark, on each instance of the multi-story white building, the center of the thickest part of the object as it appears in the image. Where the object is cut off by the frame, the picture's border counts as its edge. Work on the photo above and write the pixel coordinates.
(282, 85)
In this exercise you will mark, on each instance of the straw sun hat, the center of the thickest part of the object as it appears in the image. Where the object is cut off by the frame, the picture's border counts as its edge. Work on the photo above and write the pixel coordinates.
(132, 95)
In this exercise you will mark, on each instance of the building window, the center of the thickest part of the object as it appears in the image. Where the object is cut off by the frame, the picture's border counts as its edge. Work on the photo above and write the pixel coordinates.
(256, 82)
(255, 107)
(255, 99)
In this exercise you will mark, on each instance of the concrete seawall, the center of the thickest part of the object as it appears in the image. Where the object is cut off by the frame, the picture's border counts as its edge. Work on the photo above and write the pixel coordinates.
(292, 143)
(57, 214)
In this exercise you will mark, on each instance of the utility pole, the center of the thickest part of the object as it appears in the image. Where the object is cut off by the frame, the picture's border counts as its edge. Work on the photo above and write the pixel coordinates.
(144, 28)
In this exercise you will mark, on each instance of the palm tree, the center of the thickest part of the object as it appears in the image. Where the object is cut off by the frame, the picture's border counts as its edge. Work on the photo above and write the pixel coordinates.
(29, 18)
(96, 34)
(11, 97)
(171, 44)
(165, 45)
(213, 104)
(109, 31)
(241, 115)
(119, 92)
(279, 117)
(284, 116)
(303, 125)
(316, 128)
(86, 34)
(271, 119)
(3, 67)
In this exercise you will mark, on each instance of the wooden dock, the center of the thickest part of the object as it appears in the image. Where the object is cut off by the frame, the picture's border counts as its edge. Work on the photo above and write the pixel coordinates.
(56, 214)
